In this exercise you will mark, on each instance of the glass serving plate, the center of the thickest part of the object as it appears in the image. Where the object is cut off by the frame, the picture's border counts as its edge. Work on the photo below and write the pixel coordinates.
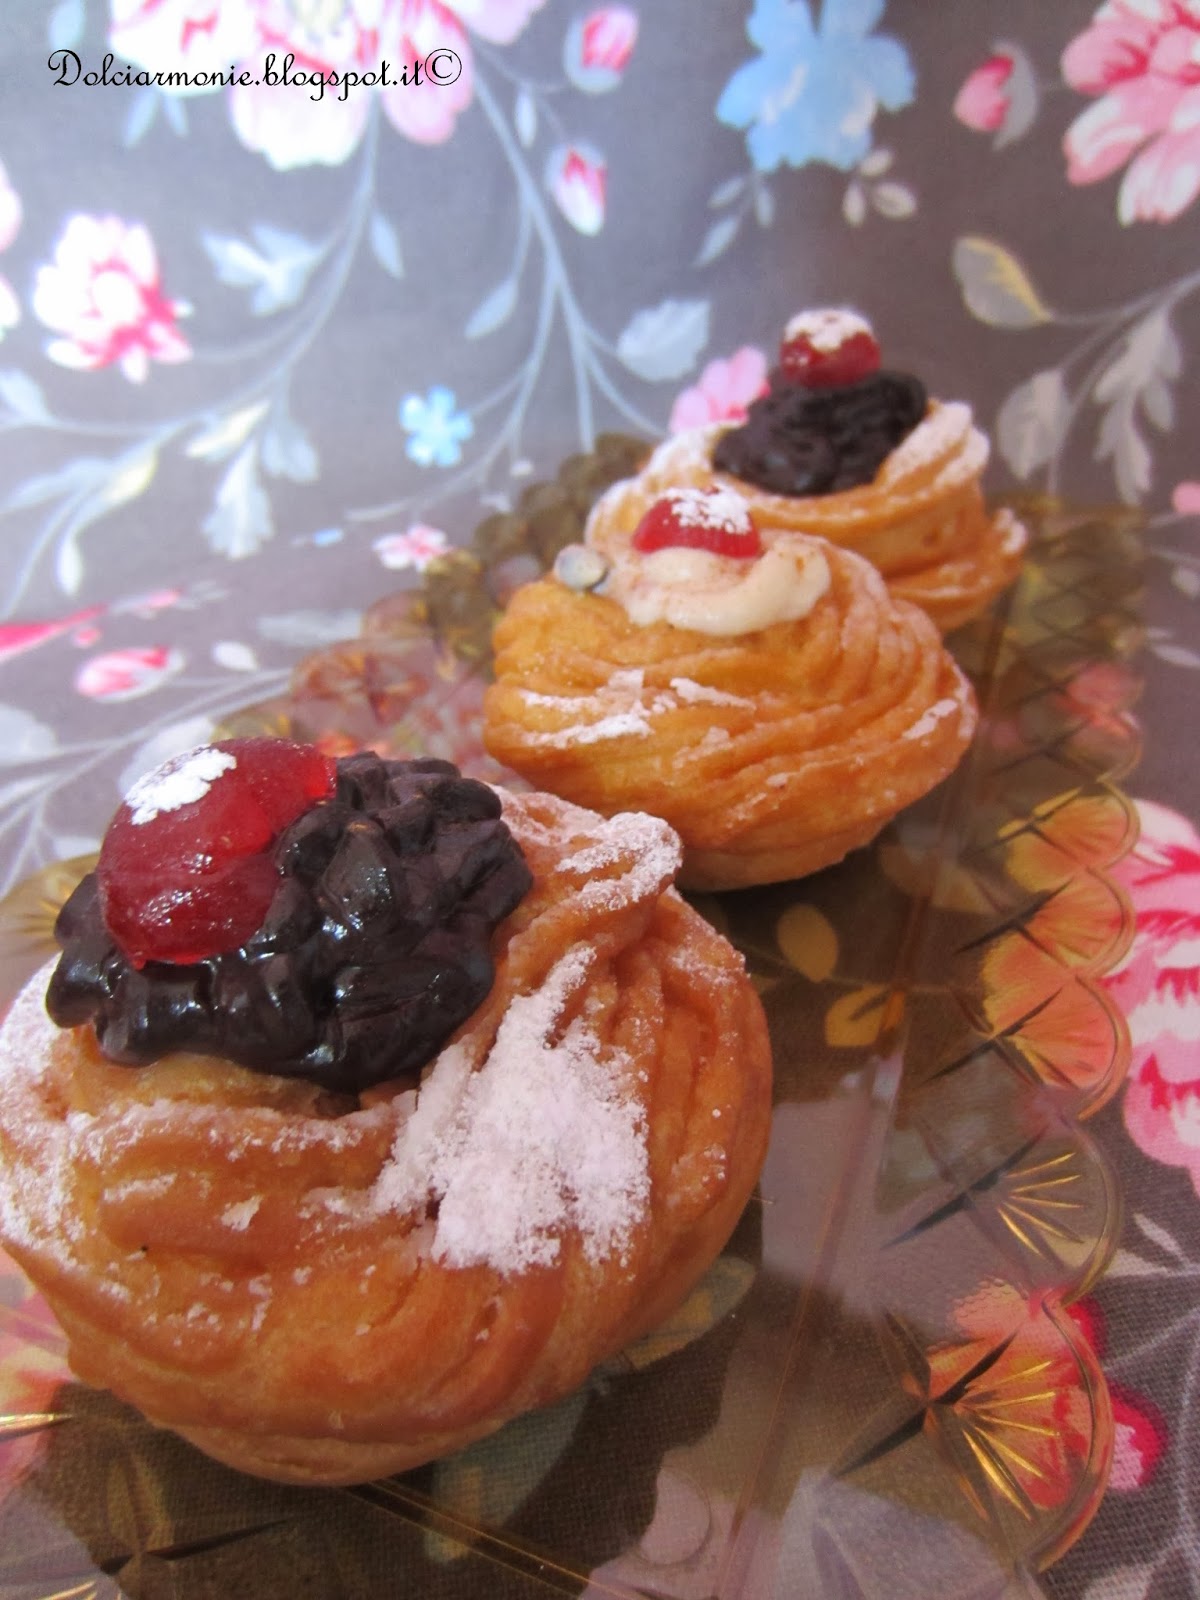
(878, 1392)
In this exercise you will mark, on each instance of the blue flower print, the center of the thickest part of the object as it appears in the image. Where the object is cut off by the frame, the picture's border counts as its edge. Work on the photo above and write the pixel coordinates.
(813, 93)
(437, 429)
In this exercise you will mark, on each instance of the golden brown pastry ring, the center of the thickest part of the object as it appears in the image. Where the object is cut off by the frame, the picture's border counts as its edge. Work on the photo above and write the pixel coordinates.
(772, 754)
(922, 522)
(211, 1238)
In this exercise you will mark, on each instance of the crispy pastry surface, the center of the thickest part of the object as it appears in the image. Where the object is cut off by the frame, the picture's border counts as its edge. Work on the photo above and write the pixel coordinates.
(772, 754)
(922, 522)
(212, 1239)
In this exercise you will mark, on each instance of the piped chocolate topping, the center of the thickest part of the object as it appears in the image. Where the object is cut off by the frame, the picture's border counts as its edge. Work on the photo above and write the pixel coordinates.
(374, 949)
(801, 441)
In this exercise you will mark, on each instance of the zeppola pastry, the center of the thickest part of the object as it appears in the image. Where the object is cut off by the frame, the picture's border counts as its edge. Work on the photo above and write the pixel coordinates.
(852, 454)
(373, 1107)
(770, 699)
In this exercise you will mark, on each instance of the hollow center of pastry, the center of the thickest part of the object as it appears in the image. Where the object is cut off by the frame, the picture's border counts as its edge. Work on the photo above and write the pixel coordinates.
(374, 945)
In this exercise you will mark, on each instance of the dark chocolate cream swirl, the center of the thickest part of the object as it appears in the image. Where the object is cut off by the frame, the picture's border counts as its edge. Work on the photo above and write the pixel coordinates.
(376, 946)
(800, 441)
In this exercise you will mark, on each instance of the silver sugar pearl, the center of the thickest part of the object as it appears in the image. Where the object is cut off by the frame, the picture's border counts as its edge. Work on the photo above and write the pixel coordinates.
(580, 567)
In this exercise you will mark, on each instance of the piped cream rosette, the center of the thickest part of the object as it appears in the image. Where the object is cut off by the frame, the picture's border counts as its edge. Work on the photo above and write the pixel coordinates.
(922, 521)
(778, 709)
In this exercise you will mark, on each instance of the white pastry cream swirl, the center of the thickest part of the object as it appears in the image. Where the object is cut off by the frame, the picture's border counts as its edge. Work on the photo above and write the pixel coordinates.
(717, 594)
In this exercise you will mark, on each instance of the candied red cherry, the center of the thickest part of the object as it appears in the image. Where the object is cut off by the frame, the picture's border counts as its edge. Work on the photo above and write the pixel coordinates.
(699, 519)
(828, 349)
(186, 869)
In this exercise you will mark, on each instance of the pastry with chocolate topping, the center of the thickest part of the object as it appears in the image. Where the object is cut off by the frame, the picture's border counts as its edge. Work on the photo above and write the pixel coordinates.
(842, 449)
(349, 1146)
(366, 948)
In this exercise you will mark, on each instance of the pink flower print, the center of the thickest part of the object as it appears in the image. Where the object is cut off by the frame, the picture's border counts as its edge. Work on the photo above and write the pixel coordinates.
(608, 38)
(1089, 1319)
(416, 548)
(188, 36)
(1142, 59)
(983, 100)
(102, 293)
(498, 21)
(576, 177)
(10, 224)
(1186, 499)
(724, 391)
(319, 115)
(428, 111)
(1140, 1437)
(598, 48)
(1158, 988)
(17, 637)
(312, 117)
(1001, 96)
(127, 674)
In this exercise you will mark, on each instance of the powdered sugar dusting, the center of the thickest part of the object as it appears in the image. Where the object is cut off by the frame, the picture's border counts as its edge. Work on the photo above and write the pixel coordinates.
(684, 457)
(657, 855)
(700, 694)
(179, 782)
(929, 720)
(621, 725)
(239, 1215)
(947, 435)
(723, 510)
(601, 716)
(628, 680)
(827, 329)
(1014, 536)
(50, 1226)
(541, 1139)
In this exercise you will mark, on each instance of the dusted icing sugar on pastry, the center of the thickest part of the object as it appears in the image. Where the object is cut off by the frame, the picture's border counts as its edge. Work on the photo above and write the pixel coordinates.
(827, 329)
(821, 349)
(179, 782)
(831, 417)
(332, 1288)
(772, 752)
(699, 519)
(542, 1139)
(337, 929)
(695, 561)
(184, 869)
(866, 462)
(927, 721)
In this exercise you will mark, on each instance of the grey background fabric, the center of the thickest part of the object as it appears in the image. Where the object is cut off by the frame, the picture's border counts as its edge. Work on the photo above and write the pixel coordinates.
(254, 480)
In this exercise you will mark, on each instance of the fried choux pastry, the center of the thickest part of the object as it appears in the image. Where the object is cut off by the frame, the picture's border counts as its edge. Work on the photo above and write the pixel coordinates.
(854, 455)
(483, 1101)
(773, 702)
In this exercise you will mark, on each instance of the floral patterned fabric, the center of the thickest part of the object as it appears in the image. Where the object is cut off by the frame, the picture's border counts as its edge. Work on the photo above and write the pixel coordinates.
(283, 317)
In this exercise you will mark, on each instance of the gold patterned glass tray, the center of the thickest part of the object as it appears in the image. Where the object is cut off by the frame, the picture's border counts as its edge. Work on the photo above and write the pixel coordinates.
(878, 1393)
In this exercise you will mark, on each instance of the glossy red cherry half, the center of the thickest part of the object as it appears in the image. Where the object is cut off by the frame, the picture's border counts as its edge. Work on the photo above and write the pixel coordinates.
(827, 349)
(699, 519)
(186, 869)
